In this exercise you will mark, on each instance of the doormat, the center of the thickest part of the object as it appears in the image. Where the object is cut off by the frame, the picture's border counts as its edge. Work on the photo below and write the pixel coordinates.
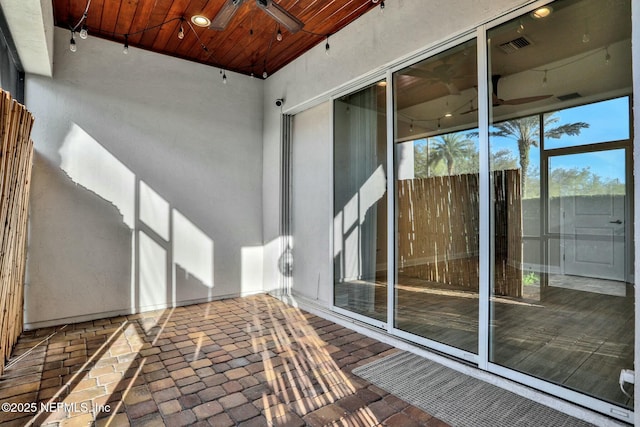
(456, 398)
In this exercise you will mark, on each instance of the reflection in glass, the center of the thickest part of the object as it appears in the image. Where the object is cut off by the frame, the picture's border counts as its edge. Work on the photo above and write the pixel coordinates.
(560, 146)
(611, 126)
(360, 204)
(436, 158)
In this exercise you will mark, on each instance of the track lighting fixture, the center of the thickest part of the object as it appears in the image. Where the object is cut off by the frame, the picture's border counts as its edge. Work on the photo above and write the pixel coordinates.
(327, 47)
(382, 6)
(279, 35)
(544, 79)
(84, 32)
(125, 50)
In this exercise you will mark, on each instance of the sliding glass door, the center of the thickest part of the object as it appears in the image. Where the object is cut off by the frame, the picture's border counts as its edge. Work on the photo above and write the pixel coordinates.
(436, 170)
(560, 144)
(360, 205)
(511, 205)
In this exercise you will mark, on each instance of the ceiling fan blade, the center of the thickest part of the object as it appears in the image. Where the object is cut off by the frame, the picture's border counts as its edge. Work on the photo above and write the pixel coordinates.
(515, 101)
(428, 75)
(453, 89)
(276, 11)
(225, 14)
(418, 72)
(525, 100)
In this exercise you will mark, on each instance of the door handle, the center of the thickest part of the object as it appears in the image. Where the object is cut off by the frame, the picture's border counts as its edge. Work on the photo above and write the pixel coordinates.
(617, 221)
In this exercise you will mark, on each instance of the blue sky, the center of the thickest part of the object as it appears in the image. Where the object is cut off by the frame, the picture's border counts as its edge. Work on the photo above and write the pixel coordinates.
(608, 121)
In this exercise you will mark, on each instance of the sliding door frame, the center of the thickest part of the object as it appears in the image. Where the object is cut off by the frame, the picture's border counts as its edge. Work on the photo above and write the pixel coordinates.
(355, 87)
(392, 215)
(482, 358)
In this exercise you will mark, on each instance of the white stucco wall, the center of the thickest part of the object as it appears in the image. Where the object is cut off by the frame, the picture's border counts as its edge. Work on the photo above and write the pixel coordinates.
(364, 48)
(311, 213)
(146, 189)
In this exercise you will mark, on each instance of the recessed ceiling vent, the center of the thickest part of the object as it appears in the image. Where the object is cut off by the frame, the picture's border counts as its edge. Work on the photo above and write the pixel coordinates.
(515, 45)
(569, 96)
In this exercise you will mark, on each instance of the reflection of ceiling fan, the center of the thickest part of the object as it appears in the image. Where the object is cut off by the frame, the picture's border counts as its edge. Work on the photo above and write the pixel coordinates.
(497, 101)
(442, 73)
(274, 10)
(515, 101)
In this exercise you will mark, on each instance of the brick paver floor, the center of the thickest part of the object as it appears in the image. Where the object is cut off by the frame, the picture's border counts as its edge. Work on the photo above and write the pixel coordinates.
(244, 361)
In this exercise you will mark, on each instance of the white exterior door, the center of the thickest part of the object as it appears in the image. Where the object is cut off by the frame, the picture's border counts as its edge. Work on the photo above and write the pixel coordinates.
(594, 236)
(592, 220)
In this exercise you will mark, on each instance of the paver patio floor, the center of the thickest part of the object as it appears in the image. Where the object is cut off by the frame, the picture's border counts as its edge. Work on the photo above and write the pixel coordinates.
(251, 361)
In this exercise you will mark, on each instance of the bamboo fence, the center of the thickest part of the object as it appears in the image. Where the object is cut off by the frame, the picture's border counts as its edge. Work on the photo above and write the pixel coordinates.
(16, 158)
(438, 231)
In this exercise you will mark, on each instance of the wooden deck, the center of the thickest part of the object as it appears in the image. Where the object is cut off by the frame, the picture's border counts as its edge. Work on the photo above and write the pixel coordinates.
(580, 339)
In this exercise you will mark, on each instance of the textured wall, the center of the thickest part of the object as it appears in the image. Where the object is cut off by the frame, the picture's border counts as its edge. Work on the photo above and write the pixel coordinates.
(147, 183)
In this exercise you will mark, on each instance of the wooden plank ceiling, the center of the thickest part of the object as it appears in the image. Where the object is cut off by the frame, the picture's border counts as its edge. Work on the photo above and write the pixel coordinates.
(247, 45)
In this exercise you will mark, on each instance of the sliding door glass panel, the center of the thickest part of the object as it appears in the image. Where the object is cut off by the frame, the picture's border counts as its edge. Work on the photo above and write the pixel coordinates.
(560, 142)
(360, 202)
(436, 160)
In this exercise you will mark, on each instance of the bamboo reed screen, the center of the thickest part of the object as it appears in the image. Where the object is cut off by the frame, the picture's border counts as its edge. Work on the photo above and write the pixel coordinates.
(16, 157)
(438, 231)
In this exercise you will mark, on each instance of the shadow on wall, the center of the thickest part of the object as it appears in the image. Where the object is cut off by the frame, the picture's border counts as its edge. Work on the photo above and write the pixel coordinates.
(110, 225)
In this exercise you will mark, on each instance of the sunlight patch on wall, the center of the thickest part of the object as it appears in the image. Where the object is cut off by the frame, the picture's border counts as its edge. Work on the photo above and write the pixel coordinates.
(352, 260)
(90, 165)
(152, 271)
(252, 260)
(405, 160)
(371, 191)
(192, 249)
(337, 234)
(154, 211)
(347, 223)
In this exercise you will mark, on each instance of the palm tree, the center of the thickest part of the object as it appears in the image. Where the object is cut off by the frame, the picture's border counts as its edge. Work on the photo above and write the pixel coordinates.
(450, 148)
(526, 132)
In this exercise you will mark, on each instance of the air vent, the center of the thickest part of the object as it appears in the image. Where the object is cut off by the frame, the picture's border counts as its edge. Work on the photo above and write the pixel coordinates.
(569, 96)
(515, 45)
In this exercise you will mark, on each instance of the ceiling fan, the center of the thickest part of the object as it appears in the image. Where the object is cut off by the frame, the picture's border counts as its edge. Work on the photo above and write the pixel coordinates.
(274, 10)
(497, 101)
(515, 101)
